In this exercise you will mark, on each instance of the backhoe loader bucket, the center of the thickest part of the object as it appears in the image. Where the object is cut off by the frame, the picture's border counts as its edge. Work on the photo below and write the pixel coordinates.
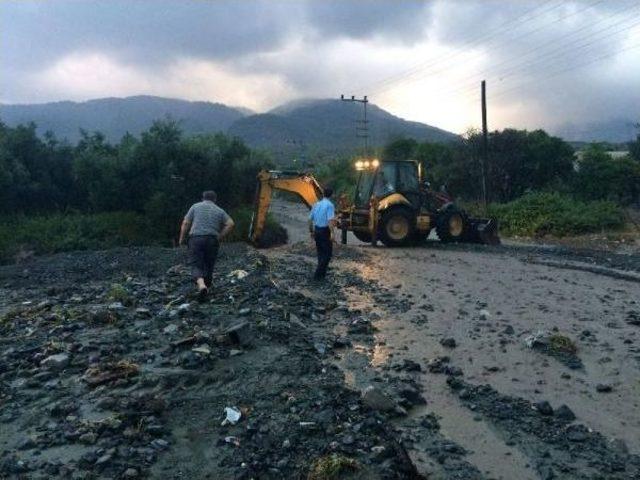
(483, 230)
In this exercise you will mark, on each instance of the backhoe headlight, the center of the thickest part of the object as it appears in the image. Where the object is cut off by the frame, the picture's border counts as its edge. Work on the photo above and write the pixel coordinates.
(367, 164)
(375, 163)
(359, 165)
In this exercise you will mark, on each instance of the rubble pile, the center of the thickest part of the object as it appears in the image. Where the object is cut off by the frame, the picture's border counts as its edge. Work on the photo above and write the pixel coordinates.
(111, 368)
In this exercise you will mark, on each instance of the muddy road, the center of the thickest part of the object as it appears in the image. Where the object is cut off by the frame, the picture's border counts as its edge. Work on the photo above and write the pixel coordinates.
(438, 362)
(477, 307)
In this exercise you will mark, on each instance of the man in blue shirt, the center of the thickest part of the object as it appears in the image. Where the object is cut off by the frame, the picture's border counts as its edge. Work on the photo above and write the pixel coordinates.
(321, 223)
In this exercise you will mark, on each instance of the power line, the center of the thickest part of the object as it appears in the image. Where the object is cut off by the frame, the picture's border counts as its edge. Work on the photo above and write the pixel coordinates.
(574, 67)
(392, 79)
(409, 78)
(464, 85)
(554, 54)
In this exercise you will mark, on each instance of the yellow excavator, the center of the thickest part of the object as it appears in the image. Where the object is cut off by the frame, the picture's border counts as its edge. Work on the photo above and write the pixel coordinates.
(392, 203)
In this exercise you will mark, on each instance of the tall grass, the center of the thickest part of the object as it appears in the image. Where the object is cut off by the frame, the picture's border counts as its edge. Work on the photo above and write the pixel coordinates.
(60, 232)
(540, 214)
(76, 231)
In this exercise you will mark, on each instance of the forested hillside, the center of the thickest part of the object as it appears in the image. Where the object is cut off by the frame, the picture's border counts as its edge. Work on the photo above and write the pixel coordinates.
(114, 117)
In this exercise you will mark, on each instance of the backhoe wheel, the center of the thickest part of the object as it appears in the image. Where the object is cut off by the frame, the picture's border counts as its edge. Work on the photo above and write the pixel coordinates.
(397, 227)
(452, 226)
(362, 236)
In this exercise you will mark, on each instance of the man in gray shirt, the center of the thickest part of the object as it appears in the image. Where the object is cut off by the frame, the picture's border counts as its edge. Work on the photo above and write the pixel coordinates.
(206, 224)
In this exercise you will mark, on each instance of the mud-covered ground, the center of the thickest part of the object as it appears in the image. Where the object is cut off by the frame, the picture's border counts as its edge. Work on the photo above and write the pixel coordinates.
(472, 312)
(406, 363)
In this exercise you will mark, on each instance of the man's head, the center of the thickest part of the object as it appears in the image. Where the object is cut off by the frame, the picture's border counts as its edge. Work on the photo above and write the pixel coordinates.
(209, 195)
(328, 191)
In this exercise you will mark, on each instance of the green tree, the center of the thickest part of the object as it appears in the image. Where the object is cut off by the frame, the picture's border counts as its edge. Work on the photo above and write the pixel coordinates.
(601, 177)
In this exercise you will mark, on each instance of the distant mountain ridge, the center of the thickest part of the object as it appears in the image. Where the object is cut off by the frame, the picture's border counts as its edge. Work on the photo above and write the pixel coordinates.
(116, 116)
(613, 130)
(311, 125)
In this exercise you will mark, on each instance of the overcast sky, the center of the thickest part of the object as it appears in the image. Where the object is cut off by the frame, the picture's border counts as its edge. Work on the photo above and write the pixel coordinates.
(546, 62)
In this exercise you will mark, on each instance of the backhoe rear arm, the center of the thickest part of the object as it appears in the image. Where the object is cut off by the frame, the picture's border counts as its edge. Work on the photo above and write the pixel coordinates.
(304, 186)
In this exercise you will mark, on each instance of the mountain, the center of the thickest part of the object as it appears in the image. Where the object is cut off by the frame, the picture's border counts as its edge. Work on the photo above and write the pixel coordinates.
(615, 130)
(328, 125)
(116, 116)
(314, 127)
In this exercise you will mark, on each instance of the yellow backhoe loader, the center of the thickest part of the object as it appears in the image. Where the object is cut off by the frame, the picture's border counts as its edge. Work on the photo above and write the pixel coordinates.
(391, 203)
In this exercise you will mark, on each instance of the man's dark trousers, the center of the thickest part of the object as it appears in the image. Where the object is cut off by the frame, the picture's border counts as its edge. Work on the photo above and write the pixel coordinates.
(324, 246)
(203, 251)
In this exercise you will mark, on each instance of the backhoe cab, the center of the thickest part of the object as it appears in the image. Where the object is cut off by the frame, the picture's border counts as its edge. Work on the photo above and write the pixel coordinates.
(392, 203)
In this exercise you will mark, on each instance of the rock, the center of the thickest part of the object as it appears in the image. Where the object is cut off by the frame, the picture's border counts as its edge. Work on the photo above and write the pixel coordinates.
(577, 433)
(243, 312)
(239, 333)
(620, 446)
(341, 342)
(448, 342)
(103, 459)
(159, 444)
(348, 440)
(604, 388)
(171, 328)
(183, 308)
(565, 413)
(544, 408)
(130, 473)
(410, 366)
(376, 399)
(56, 362)
(202, 349)
(509, 330)
(88, 438)
(464, 394)
(321, 348)
(412, 396)
(115, 306)
(26, 444)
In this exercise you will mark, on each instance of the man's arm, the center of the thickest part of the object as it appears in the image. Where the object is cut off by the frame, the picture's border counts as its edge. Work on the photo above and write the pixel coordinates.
(184, 228)
(333, 223)
(311, 229)
(228, 226)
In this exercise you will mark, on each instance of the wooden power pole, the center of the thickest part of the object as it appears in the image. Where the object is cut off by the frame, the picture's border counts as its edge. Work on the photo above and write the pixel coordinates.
(485, 145)
(362, 126)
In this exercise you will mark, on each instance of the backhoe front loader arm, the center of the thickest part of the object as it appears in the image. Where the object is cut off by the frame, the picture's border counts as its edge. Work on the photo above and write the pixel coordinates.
(303, 185)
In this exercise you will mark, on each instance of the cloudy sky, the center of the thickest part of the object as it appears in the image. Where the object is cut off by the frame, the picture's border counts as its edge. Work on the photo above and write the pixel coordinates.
(546, 62)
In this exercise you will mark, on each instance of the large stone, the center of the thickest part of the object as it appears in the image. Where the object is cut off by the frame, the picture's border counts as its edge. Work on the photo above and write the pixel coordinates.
(56, 362)
(376, 399)
(239, 333)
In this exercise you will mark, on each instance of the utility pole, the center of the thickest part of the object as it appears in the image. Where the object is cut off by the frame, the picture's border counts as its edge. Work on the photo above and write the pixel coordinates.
(485, 145)
(362, 126)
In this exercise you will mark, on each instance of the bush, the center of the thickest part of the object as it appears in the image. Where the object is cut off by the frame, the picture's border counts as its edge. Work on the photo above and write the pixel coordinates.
(539, 214)
(601, 177)
(59, 232)
(274, 233)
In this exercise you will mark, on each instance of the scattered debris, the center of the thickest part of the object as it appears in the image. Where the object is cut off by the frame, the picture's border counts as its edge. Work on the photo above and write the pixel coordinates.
(233, 415)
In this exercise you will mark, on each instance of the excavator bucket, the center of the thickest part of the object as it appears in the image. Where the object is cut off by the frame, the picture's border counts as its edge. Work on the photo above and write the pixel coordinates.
(483, 230)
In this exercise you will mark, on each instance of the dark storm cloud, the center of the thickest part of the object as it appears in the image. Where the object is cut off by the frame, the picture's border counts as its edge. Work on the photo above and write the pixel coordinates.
(140, 31)
(406, 21)
(306, 43)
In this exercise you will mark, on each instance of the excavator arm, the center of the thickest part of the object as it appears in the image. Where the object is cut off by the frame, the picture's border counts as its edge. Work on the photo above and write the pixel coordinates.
(303, 185)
